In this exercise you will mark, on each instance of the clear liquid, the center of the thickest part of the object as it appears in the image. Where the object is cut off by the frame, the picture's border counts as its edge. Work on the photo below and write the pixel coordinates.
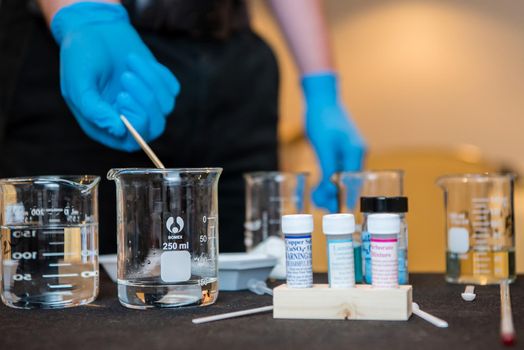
(49, 267)
(481, 267)
(144, 294)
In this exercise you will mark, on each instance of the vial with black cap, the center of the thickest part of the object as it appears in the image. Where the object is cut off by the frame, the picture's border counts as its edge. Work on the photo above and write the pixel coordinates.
(385, 205)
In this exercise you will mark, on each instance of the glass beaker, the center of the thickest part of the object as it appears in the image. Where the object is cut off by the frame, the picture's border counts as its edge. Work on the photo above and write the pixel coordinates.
(49, 242)
(269, 196)
(167, 223)
(351, 186)
(479, 228)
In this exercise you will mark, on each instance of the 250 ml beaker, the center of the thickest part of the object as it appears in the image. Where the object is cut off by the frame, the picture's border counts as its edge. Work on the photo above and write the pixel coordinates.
(167, 236)
(479, 228)
(269, 196)
(351, 186)
(49, 243)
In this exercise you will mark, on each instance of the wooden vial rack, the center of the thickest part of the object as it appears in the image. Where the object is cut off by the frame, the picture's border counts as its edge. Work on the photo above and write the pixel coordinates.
(360, 303)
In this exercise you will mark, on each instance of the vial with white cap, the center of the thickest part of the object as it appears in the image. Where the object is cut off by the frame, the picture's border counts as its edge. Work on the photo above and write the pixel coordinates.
(297, 231)
(339, 229)
(384, 230)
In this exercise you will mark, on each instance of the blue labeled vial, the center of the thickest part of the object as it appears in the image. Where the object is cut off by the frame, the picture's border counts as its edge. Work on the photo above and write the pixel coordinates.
(385, 205)
(339, 229)
(297, 230)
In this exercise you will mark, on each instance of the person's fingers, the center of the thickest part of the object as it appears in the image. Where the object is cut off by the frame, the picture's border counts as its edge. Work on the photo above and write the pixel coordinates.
(156, 126)
(97, 134)
(327, 159)
(325, 194)
(141, 93)
(100, 113)
(153, 78)
(169, 78)
(353, 189)
(352, 155)
(135, 114)
(142, 96)
(83, 97)
(93, 131)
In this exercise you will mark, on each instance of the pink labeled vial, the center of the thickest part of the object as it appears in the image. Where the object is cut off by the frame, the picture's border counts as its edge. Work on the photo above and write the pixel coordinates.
(384, 230)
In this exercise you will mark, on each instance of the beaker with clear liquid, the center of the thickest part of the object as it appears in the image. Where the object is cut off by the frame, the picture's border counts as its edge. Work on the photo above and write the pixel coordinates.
(479, 228)
(49, 241)
(167, 229)
(269, 196)
(351, 186)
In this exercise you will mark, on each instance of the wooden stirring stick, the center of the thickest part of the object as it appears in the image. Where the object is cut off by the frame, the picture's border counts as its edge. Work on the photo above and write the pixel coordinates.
(142, 143)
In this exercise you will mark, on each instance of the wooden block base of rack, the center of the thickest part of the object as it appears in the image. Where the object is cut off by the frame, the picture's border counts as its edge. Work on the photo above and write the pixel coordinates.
(360, 303)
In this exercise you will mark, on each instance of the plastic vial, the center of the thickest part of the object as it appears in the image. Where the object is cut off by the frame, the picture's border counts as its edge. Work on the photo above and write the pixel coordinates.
(339, 229)
(394, 205)
(297, 231)
(384, 230)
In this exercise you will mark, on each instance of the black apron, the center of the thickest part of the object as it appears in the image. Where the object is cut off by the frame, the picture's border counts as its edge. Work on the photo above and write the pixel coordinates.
(225, 115)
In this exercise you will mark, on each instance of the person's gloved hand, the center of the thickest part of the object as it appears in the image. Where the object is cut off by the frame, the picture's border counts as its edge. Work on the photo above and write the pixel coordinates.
(107, 70)
(334, 137)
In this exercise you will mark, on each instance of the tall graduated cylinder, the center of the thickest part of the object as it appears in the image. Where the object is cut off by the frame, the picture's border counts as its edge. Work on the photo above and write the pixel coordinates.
(167, 236)
(479, 228)
(49, 242)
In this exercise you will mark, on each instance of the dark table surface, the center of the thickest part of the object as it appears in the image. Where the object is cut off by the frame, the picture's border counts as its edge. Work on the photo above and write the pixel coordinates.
(106, 324)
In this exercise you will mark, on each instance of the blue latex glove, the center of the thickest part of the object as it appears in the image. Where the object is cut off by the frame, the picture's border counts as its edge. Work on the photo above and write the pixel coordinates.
(107, 70)
(334, 137)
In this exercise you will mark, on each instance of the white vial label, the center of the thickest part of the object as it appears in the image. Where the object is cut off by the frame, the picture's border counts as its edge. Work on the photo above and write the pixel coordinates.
(175, 266)
(341, 264)
(298, 262)
(384, 262)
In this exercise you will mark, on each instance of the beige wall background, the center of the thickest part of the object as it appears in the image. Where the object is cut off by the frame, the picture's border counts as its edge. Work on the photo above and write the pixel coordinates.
(443, 75)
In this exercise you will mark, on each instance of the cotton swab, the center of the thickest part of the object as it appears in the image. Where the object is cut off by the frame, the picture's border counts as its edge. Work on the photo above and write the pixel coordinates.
(232, 314)
(428, 317)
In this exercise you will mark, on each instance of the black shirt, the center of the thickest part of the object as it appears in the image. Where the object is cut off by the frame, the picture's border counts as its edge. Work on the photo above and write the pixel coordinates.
(197, 18)
(216, 19)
